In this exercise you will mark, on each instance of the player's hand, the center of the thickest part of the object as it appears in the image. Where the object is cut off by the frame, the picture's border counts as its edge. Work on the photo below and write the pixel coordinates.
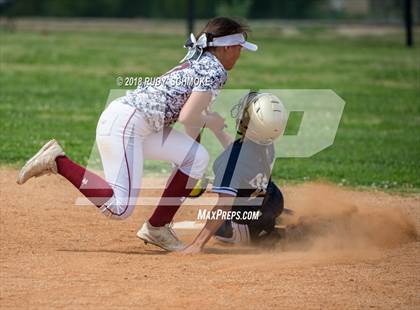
(191, 249)
(215, 121)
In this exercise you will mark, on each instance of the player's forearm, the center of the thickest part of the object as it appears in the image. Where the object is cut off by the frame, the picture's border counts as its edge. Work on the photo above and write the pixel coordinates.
(224, 138)
(199, 121)
(210, 228)
(193, 132)
(196, 122)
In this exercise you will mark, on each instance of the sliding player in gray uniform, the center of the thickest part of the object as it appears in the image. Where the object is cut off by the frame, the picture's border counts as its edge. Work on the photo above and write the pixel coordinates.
(243, 174)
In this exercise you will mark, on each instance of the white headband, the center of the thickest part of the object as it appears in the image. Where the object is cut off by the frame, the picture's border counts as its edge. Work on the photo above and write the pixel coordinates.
(195, 47)
(233, 39)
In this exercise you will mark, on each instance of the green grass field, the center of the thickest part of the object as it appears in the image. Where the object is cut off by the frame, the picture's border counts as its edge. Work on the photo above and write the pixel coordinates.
(55, 84)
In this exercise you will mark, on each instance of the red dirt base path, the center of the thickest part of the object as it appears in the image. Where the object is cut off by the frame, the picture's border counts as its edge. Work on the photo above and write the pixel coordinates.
(350, 250)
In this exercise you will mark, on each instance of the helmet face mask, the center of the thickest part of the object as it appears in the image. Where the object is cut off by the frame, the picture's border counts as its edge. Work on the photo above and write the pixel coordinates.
(261, 118)
(243, 116)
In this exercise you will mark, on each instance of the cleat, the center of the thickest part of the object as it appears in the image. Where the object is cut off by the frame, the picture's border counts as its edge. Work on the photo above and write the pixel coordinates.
(163, 237)
(42, 162)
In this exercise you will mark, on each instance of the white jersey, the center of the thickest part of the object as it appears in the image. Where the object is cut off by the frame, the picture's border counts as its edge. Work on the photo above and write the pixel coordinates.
(161, 100)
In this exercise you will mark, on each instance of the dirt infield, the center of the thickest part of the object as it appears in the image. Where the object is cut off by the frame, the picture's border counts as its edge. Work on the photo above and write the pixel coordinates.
(348, 250)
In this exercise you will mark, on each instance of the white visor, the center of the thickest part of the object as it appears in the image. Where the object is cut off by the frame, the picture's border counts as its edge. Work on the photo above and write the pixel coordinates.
(233, 39)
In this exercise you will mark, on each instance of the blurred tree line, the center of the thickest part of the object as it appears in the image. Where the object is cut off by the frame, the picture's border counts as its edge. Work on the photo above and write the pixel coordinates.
(165, 8)
(254, 9)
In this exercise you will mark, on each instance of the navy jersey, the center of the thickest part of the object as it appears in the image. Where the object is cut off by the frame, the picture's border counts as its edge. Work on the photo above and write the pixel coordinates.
(243, 169)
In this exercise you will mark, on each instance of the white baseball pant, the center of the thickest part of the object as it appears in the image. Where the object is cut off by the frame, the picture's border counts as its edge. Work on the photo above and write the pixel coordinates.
(124, 140)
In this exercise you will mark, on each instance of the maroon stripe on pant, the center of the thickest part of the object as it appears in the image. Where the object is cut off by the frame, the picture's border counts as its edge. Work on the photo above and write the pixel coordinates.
(128, 169)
